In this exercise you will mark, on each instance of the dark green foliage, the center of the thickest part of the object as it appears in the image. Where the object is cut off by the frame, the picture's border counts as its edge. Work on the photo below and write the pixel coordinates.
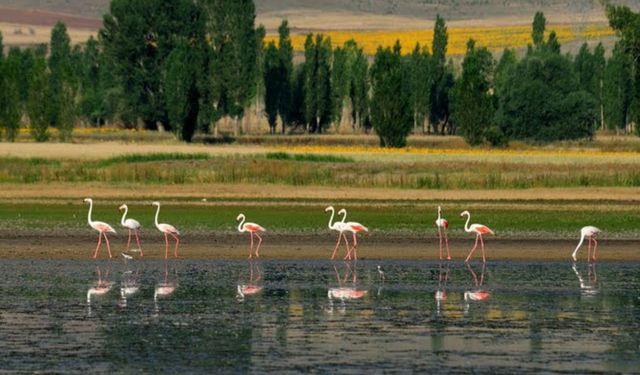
(358, 85)
(10, 104)
(538, 28)
(317, 82)
(143, 158)
(309, 157)
(442, 78)
(62, 82)
(421, 83)
(272, 83)
(541, 101)
(618, 89)
(473, 104)
(38, 99)
(234, 70)
(285, 53)
(390, 103)
(340, 74)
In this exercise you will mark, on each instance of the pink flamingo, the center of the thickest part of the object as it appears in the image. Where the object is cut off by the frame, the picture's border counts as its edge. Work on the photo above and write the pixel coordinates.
(101, 227)
(252, 228)
(167, 229)
(131, 225)
(443, 226)
(354, 228)
(479, 230)
(590, 232)
(338, 226)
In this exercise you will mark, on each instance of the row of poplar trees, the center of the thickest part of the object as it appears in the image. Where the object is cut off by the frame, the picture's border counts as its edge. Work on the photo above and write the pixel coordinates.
(184, 65)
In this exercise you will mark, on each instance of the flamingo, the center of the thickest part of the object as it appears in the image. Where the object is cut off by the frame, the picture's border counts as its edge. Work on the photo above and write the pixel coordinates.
(443, 226)
(479, 230)
(252, 228)
(167, 229)
(131, 225)
(338, 226)
(354, 228)
(590, 232)
(101, 227)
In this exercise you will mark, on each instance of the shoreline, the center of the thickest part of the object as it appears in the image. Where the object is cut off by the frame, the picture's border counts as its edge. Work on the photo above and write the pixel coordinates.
(314, 247)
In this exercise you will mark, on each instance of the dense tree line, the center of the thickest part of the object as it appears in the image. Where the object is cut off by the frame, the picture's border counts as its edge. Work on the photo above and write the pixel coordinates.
(185, 65)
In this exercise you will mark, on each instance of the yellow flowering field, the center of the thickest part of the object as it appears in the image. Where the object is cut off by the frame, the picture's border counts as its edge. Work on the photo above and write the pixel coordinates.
(494, 38)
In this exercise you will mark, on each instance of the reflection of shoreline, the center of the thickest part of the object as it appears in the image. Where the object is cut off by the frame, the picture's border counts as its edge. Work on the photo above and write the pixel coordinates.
(303, 247)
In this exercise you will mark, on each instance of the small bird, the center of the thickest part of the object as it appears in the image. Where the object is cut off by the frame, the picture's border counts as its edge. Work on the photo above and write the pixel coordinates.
(590, 232)
(381, 273)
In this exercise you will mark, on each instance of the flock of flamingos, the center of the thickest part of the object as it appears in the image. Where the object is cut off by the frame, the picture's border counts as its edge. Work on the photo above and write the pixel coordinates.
(342, 226)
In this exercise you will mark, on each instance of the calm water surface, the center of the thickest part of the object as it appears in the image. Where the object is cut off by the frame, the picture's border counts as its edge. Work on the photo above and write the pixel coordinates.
(240, 316)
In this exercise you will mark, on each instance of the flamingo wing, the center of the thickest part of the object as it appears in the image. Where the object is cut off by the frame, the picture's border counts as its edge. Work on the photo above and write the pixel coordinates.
(481, 229)
(168, 228)
(253, 227)
(102, 227)
(132, 224)
(357, 227)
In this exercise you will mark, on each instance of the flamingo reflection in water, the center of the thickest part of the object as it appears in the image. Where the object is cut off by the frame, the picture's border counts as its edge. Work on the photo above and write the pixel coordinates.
(477, 294)
(129, 283)
(441, 292)
(589, 287)
(102, 287)
(165, 288)
(342, 292)
(253, 287)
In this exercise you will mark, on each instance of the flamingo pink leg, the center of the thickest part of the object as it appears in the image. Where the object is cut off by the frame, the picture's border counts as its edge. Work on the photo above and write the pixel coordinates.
(129, 241)
(98, 247)
(251, 247)
(446, 239)
(166, 246)
(138, 241)
(472, 249)
(440, 235)
(258, 247)
(482, 246)
(175, 251)
(108, 246)
(589, 250)
(595, 246)
(353, 248)
(340, 236)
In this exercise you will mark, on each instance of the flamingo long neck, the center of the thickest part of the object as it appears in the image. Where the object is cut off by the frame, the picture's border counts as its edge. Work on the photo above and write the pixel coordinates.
(344, 217)
(579, 244)
(439, 215)
(466, 225)
(157, 213)
(333, 211)
(90, 209)
(240, 226)
(126, 209)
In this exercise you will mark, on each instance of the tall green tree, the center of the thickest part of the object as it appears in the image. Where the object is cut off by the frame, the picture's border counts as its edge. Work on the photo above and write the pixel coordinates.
(473, 105)
(317, 83)
(359, 89)
(627, 26)
(10, 105)
(234, 56)
(390, 102)
(618, 89)
(439, 110)
(285, 53)
(340, 80)
(272, 83)
(537, 29)
(38, 100)
(421, 82)
(62, 83)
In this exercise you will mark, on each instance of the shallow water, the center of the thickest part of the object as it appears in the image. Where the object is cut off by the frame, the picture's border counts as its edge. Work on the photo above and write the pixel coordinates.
(289, 316)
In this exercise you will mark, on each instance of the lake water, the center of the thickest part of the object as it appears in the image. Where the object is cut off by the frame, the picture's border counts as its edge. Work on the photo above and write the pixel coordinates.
(300, 316)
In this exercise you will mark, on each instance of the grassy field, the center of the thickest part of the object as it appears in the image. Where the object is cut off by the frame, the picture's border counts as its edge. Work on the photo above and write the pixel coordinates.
(523, 192)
